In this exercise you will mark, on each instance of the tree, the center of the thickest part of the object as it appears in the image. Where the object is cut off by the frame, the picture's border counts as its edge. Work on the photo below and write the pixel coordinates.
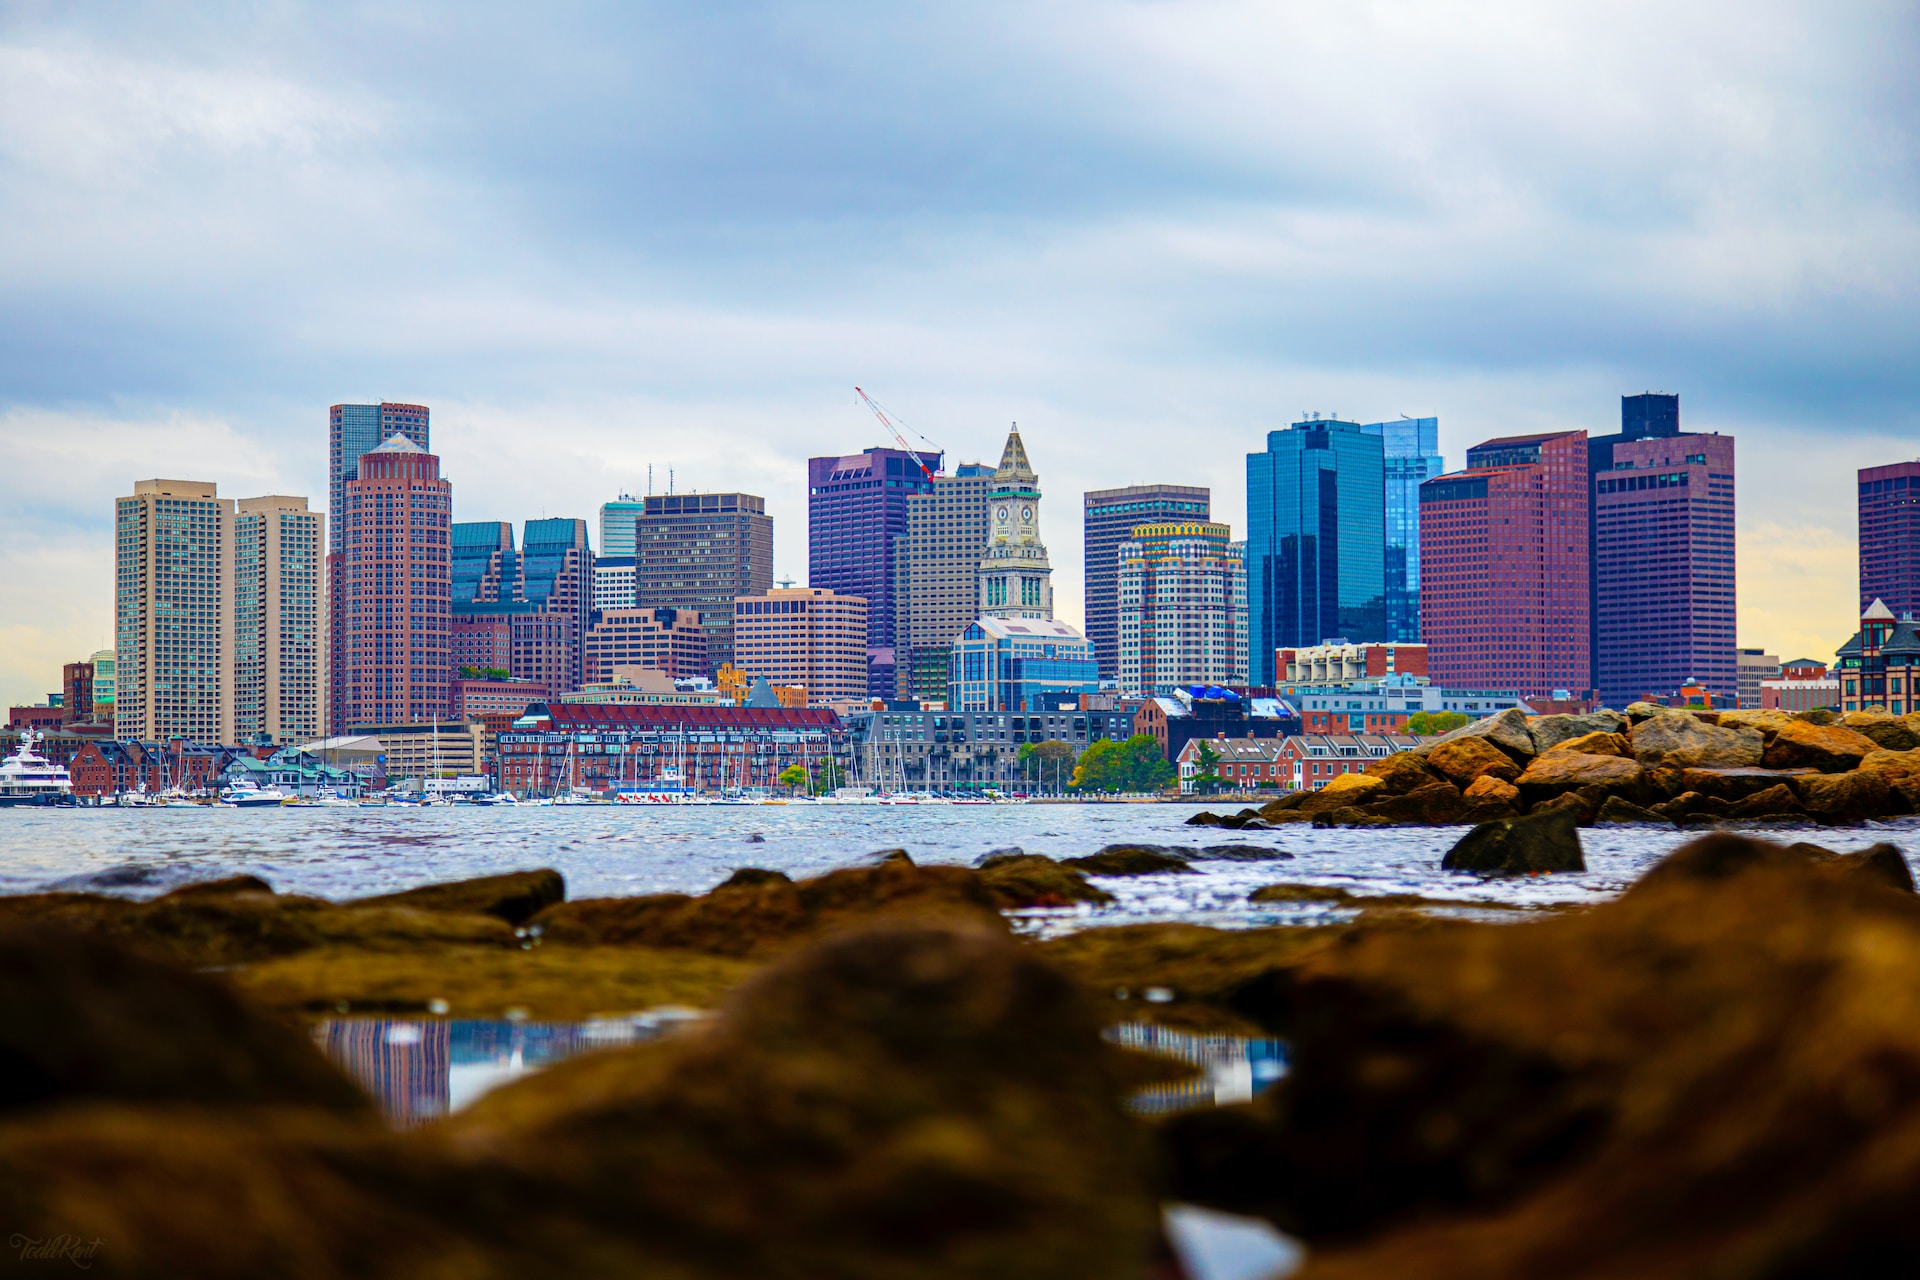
(793, 777)
(1426, 723)
(1114, 767)
(484, 673)
(1046, 764)
(828, 776)
(1206, 777)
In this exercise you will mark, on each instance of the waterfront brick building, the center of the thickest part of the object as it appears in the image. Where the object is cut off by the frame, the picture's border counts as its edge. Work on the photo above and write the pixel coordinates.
(856, 512)
(1890, 536)
(667, 640)
(471, 699)
(391, 614)
(558, 746)
(1108, 518)
(76, 692)
(1503, 573)
(806, 636)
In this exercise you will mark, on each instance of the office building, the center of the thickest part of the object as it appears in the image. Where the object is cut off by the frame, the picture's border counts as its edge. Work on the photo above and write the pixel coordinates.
(856, 514)
(1108, 518)
(617, 520)
(1412, 447)
(1316, 540)
(1890, 536)
(279, 620)
(532, 606)
(76, 693)
(668, 640)
(103, 685)
(390, 617)
(702, 551)
(1337, 664)
(429, 749)
(807, 637)
(1662, 583)
(485, 566)
(1503, 573)
(557, 579)
(1878, 666)
(1384, 704)
(937, 578)
(356, 429)
(1804, 684)
(173, 612)
(1016, 579)
(1754, 666)
(1019, 664)
(471, 699)
(1183, 608)
(480, 643)
(615, 583)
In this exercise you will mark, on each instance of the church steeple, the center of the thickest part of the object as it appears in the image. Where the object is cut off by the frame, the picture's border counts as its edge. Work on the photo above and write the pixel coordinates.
(1016, 580)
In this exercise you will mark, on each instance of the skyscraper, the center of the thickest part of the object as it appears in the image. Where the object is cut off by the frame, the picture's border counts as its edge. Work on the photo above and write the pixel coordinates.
(173, 612)
(1890, 536)
(856, 513)
(1016, 579)
(1662, 555)
(1316, 540)
(1412, 457)
(805, 636)
(1503, 573)
(557, 568)
(937, 578)
(356, 429)
(616, 526)
(1183, 608)
(484, 566)
(1109, 517)
(390, 614)
(702, 551)
(534, 604)
(279, 620)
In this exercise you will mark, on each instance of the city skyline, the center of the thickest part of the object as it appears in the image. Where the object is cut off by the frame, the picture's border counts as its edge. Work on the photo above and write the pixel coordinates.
(1163, 253)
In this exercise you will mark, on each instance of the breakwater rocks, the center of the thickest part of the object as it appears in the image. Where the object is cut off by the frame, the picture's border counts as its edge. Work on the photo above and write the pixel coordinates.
(1717, 1073)
(1655, 766)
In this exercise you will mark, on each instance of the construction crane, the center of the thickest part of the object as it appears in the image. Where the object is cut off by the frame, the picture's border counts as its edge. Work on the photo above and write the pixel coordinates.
(887, 422)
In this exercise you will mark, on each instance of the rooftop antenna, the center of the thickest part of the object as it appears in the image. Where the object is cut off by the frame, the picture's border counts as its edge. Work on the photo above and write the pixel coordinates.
(669, 479)
(649, 479)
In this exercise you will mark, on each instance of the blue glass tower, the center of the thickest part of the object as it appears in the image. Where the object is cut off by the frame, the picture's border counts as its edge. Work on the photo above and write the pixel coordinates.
(477, 574)
(1316, 540)
(1413, 455)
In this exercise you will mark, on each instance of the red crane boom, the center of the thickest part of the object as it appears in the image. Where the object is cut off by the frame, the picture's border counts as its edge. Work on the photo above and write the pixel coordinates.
(887, 422)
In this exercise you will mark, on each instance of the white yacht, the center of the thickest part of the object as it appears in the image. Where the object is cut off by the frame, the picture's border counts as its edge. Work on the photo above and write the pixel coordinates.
(29, 778)
(243, 793)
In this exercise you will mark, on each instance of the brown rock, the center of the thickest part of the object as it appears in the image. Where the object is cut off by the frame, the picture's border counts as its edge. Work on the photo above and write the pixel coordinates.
(215, 888)
(1599, 744)
(1489, 787)
(1900, 770)
(1888, 732)
(1692, 806)
(1538, 842)
(1777, 801)
(1616, 811)
(1823, 717)
(1685, 741)
(1549, 732)
(1768, 722)
(1735, 784)
(1828, 748)
(515, 897)
(1463, 760)
(1560, 771)
(1845, 798)
(1023, 880)
(1881, 863)
(1130, 860)
(1507, 730)
(1435, 805)
(1401, 772)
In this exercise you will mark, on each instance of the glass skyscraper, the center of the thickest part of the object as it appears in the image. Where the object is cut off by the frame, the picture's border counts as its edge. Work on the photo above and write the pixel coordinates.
(1316, 540)
(1413, 455)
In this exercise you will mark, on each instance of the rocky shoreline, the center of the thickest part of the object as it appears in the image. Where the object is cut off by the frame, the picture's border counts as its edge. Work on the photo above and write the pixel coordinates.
(1716, 1073)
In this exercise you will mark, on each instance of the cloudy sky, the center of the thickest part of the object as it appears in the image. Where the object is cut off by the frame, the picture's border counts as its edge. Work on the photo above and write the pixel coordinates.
(598, 237)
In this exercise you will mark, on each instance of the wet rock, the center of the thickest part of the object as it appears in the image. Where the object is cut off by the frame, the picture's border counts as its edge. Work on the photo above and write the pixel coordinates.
(214, 888)
(1205, 818)
(1639, 711)
(1463, 760)
(1617, 811)
(1246, 819)
(1735, 784)
(1344, 790)
(1777, 801)
(1022, 880)
(1549, 732)
(1828, 748)
(1681, 740)
(1599, 744)
(1768, 722)
(747, 876)
(1900, 770)
(1558, 772)
(1881, 863)
(1507, 730)
(882, 858)
(1583, 804)
(1436, 804)
(1692, 807)
(1888, 732)
(1537, 842)
(1845, 798)
(1487, 788)
(1240, 853)
(987, 859)
(765, 919)
(82, 1019)
(515, 897)
(1401, 772)
(1131, 860)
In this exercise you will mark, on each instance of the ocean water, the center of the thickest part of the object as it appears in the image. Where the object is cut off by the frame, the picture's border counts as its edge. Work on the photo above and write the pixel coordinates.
(614, 850)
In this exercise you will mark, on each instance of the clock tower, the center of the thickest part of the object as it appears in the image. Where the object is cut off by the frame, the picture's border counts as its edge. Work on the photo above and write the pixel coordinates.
(1015, 579)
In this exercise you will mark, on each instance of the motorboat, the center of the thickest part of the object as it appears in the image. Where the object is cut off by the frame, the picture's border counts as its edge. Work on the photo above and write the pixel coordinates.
(28, 778)
(491, 798)
(244, 793)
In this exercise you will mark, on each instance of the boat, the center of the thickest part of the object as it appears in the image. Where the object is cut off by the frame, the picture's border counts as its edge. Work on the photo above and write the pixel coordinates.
(246, 794)
(28, 778)
(491, 798)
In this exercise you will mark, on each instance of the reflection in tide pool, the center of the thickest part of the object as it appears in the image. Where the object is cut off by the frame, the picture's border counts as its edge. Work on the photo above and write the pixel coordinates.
(1232, 1068)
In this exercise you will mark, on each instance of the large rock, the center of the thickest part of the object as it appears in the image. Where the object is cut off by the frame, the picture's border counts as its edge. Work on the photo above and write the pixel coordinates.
(1435, 805)
(1828, 748)
(1682, 740)
(1735, 784)
(1558, 772)
(1900, 770)
(1131, 860)
(1549, 732)
(1768, 722)
(1401, 772)
(1464, 760)
(1507, 730)
(1599, 744)
(1537, 842)
(1020, 880)
(1488, 788)
(1846, 798)
(1616, 811)
(1777, 801)
(1888, 732)
(515, 897)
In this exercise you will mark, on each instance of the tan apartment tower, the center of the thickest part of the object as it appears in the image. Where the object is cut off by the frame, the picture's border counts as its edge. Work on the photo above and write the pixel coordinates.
(279, 620)
(807, 636)
(173, 612)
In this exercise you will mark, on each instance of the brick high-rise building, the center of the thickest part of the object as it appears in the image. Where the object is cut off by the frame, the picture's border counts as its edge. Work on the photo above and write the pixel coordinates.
(1412, 447)
(557, 575)
(1890, 536)
(856, 513)
(1316, 540)
(1183, 608)
(356, 429)
(1108, 518)
(1503, 567)
(806, 636)
(76, 692)
(665, 639)
(937, 578)
(703, 551)
(532, 606)
(1662, 521)
(173, 612)
(279, 620)
(391, 612)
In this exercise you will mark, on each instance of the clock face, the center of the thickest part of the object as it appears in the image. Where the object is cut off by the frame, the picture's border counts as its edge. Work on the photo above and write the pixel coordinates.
(1026, 514)
(1001, 515)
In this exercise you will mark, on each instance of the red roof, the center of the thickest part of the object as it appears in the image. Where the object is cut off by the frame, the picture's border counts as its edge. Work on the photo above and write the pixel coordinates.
(588, 715)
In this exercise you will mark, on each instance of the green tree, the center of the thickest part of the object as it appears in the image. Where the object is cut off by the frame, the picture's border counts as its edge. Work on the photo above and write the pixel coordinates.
(1429, 723)
(794, 777)
(1046, 766)
(1206, 776)
(828, 775)
(1110, 768)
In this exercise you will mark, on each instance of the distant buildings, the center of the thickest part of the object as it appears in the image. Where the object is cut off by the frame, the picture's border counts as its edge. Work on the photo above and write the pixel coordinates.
(668, 640)
(557, 579)
(76, 692)
(524, 611)
(1384, 704)
(937, 578)
(1182, 614)
(279, 627)
(671, 746)
(1316, 541)
(1109, 517)
(617, 521)
(1890, 536)
(1336, 664)
(805, 636)
(1015, 576)
(173, 612)
(356, 429)
(856, 513)
(391, 645)
(1002, 665)
(1755, 666)
(1504, 565)
(1412, 447)
(616, 583)
(702, 551)
(1878, 666)
(904, 748)
(1663, 559)
(1804, 684)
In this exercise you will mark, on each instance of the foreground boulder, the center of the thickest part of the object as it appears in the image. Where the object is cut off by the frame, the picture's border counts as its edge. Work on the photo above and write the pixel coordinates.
(514, 897)
(1508, 731)
(1019, 880)
(1545, 841)
(1131, 860)
(1463, 761)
